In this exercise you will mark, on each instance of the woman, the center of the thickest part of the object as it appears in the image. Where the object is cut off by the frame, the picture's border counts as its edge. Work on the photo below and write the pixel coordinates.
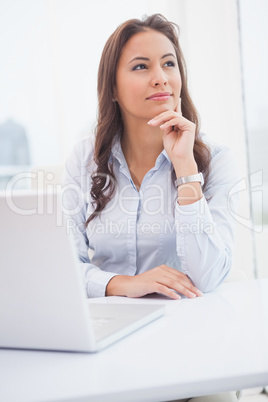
(148, 232)
(135, 194)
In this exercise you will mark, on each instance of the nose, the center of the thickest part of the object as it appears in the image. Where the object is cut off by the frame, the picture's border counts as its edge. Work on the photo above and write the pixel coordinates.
(159, 78)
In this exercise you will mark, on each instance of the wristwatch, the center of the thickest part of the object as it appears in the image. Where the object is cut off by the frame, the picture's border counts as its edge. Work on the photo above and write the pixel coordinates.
(198, 177)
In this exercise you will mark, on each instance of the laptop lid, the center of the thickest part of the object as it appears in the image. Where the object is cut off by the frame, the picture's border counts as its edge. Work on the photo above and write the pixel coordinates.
(42, 296)
(42, 299)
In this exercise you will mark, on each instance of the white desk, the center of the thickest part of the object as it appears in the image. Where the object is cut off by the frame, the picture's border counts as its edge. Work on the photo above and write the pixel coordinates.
(205, 345)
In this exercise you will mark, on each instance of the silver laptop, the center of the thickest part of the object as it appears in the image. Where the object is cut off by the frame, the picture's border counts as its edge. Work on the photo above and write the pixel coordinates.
(43, 304)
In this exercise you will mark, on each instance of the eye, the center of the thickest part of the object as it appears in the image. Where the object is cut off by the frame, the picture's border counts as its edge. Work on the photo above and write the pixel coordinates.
(170, 64)
(139, 67)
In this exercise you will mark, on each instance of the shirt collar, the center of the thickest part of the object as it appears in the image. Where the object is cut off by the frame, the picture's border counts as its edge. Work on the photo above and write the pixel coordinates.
(117, 153)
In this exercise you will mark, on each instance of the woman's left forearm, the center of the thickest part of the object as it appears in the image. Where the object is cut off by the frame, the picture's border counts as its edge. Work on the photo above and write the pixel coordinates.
(190, 192)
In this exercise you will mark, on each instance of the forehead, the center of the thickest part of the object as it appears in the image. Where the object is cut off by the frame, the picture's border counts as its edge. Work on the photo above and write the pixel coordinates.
(148, 44)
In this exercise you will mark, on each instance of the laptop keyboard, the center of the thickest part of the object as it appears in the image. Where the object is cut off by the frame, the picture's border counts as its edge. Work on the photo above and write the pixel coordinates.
(100, 322)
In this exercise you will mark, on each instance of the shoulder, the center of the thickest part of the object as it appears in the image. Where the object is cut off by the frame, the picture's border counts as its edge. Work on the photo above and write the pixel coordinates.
(216, 150)
(80, 164)
(83, 150)
(224, 169)
(82, 155)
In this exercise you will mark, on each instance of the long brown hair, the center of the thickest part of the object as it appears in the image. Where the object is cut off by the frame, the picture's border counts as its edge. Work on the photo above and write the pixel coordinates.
(110, 123)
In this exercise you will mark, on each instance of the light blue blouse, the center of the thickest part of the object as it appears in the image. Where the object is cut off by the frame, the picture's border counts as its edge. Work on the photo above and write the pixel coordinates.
(140, 230)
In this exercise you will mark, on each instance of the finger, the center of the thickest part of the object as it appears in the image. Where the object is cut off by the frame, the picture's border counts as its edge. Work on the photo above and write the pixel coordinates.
(178, 274)
(178, 287)
(177, 119)
(170, 123)
(172, 282)
(171, 274)
(181, 122)
(162, 117)
(188, 285)
(192, 289)
(174, 273)
(159, 288)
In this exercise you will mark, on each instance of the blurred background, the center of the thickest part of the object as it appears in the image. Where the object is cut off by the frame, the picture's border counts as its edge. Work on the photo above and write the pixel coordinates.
(50, 50)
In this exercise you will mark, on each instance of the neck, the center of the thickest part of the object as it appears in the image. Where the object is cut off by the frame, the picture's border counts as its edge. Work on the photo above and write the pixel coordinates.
(141, 144)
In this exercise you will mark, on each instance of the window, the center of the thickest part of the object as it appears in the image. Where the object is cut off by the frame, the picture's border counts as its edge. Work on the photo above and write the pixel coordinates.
(50, 50)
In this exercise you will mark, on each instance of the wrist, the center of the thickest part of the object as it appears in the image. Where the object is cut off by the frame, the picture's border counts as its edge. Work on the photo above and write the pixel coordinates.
(189, 193)
(117, 286)
(185, 167)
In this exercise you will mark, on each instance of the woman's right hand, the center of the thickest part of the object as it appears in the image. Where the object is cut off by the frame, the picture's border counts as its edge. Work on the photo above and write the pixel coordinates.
(162, 279)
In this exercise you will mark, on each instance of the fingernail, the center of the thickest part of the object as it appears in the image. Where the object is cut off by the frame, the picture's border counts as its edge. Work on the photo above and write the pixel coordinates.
(192, 294)
(178, 297)
(199, 293)
(151, 121)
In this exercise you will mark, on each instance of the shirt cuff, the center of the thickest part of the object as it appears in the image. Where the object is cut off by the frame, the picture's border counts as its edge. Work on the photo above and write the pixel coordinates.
(191, 220)
(97, 280)
(194, 218)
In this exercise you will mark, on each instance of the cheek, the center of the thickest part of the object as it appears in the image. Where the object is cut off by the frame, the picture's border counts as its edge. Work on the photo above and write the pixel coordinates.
(134, 92)
(137, 91)
(125, 88)
(177, 83)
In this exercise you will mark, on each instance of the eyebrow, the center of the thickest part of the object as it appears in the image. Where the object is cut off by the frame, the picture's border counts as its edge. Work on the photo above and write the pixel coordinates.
(147, 59)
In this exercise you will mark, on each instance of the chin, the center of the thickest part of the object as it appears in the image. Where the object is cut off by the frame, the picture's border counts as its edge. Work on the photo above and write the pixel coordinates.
(164, 107)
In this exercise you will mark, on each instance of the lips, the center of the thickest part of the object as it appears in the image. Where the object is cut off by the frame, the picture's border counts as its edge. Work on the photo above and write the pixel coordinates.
(160, 96)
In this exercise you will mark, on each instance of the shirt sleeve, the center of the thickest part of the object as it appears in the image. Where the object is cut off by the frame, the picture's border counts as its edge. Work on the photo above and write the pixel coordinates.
(75, 190)
(205, 229)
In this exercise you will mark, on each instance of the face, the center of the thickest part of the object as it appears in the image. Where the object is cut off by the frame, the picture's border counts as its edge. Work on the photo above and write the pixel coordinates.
(148, 80)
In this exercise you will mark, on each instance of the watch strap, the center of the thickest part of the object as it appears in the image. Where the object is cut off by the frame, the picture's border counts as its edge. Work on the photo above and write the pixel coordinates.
(198, 177)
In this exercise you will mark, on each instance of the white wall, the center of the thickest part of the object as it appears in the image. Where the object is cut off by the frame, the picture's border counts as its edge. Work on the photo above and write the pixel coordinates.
(210, 40)
(48, 78)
